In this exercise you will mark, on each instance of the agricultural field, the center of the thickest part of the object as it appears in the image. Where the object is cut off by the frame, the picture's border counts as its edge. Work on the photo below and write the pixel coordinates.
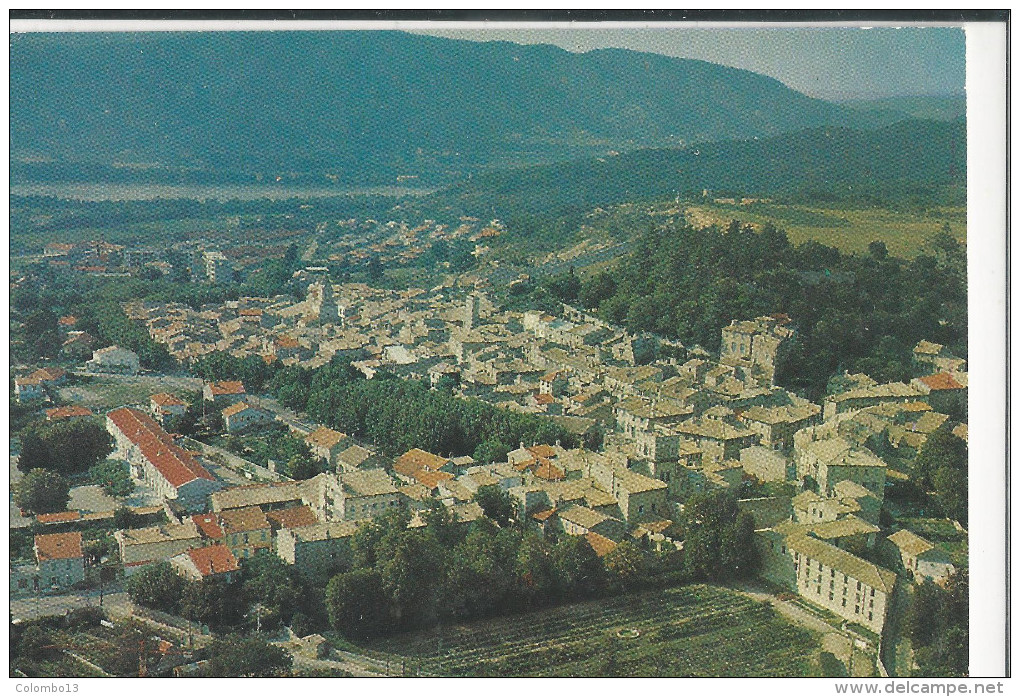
(850, 230)
(694, 631)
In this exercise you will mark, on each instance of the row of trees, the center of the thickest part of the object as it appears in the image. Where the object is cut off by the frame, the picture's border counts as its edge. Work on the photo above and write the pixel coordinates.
(855, 312)
(402, 414)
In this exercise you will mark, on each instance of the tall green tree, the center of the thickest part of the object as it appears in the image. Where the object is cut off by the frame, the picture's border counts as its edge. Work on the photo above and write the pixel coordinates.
(357, 604)
(42, 491)
(236, 656)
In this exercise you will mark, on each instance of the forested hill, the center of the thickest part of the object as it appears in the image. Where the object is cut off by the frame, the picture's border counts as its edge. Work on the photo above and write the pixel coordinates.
(892, 161)
(370, 105)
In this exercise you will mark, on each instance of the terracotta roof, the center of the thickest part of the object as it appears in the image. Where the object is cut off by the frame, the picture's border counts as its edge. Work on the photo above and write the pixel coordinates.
(64, 545)
(544, 515)
(431, 479)
(544, 399)
(226, 388)
(547, 470)
(61, 517)
(68, 412)
(67, 321)
(243, 520)
(602, 545)
(27, 380)
(215, 559)
(324, 437)
(546, 451)
(294, 517)
(941, 381)
(286, 342)
(208, 525)
(416, 459)
(177, 465)
(165, 399)
(237, 408)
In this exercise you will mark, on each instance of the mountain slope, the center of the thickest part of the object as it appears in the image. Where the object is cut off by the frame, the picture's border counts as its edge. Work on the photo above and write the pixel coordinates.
(367, 106)
(901, 156)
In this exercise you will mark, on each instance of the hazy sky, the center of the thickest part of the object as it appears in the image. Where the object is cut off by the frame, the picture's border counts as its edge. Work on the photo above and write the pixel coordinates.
(830, 63)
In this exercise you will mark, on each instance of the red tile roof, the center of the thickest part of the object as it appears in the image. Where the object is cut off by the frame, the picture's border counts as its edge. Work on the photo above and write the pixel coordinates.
(64, 545)
(547, 470)
(165, 399)
(67, 321)
(68, 412)
(246, 519)
(49, 373)
(544, 399)
(542, 450)
(226, 387)
(431, 479)
(177, 465)
(237, 408)
(941, 381)
(545, 515)
(294, 517)
(416, 459)
(208, 525)
(215, 559)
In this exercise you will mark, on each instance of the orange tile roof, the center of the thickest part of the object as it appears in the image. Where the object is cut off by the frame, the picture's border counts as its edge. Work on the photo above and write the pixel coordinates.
(286, 342)
(68, 412)
(27, 380)
(431, 479)
(294, 517)
(547, 451)
(544, 399)
(544, 515)
(237, 408)
(941, 381)
(61, 517)
(177, 465)
(208, 525)
(246, 519)
(165, 399)
(64, 545)
(49, 373)
(324, 437)
(416, 459)
(67, 321)
(548, 470)
(601, 544)
(214, 559)
(226, 387)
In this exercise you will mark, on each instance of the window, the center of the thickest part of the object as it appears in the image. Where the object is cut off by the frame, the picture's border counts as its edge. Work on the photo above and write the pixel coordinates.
(858, 585)
(830, 595)
(872, 592)
(832, 573)
(870, 616)
(857, 609)
(640, 509)
(844, 602)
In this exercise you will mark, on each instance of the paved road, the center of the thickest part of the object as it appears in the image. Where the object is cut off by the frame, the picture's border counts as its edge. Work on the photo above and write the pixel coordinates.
(32, 607)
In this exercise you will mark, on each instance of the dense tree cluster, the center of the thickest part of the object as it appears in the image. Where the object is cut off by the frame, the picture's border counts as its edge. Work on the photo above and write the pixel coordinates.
(399, 415)
(42, 491)
(940, 469)
(68, 446)
(114, 477)
(852, 312)
(291, 455)
(938, 624)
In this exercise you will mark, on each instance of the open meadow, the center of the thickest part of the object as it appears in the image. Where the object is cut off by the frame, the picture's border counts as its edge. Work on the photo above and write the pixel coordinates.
(849, 230)
(690, 631)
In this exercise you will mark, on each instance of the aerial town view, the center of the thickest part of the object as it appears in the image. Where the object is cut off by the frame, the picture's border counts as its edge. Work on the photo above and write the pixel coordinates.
(426, 354)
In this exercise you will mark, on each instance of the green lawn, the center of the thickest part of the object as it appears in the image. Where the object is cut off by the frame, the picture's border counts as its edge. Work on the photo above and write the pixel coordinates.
(689, 631)
(849, 230)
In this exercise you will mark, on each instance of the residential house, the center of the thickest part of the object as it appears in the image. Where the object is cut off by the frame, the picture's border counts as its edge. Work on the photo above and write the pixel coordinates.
(60, 561)
(244, 416)
(717, 438)
(224, 393)
(356, 457)
(636, 415)
(326, 444)
(754, 346)
(114, 359)
(319, 550)
(943, 391)
(66, 413)
(639, 497)
(166, 409)
(777, 424)
(246, 531)
(139, 547)
(212, 562)
(28, 388)
(578, 520)
(367, 494)
(832, 460)
(51, 376)
(859, 398)
(929, 358)
(922, 557)
(410, 464)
